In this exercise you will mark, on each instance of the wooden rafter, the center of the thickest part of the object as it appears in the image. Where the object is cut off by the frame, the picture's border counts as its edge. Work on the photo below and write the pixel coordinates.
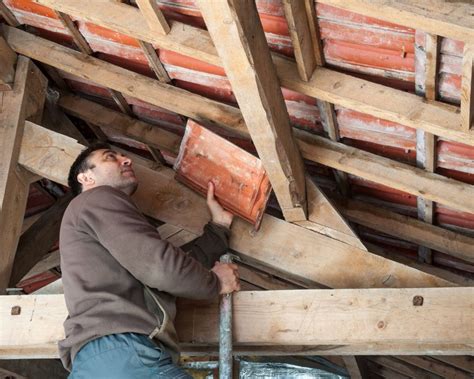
(154, 62)
(77, 37)
(467, 87)
(335, 155)
(410, 229)
(328, 85)
(7, 65)
(450, 19)
(254, 82)
(153, 15)
(388, 172)
(124, 81)
(426, 153)
(24, 101)
(334, 264)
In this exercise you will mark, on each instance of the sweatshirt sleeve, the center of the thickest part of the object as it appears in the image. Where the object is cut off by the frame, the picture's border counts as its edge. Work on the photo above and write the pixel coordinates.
(208, 248)
(120, 227)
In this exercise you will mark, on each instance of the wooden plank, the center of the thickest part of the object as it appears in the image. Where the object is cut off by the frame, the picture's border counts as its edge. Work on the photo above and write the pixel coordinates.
(410, 229)
(250, 70)
(77, 37)
(328, 85)
(300, 33)
(426, 152)
(295, 317)
(110, 120)
(444, 18)
(384, 372)
(125, 81)
(389, 104)
(403, 368)
(401, 176)
(38, 240)
(154, 62)
(24, 101)
(436, 367)
(9, 17)
(153, 15)
(121, 102)
(464, 363)
(356, 367)
(467, 87)
(277, 244)
(7, 66)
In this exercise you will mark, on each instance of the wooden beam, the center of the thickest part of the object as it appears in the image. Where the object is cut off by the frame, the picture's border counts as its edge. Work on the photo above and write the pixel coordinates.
(467, 87)
(7, 65)
(154, 62)
(7, 14)
(403, 368)
(300, 32)
(277, 244)
(356, 367)
(109, 120)
(426, 78)
(250, 70)
(409, 229)
(309, 317)
(465, 363)
(153, 15)
(77, 37)
(328, 85)
(435, 367)
(24, 101)
(125, 81)
(444, 18)
(388, 172)
(38, 240)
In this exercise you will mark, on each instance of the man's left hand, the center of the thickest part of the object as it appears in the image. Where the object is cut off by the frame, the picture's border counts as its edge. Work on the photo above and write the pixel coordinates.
(219, 215)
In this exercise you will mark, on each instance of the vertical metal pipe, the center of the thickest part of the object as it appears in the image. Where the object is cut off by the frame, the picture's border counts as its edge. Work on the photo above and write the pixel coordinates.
(225, 331)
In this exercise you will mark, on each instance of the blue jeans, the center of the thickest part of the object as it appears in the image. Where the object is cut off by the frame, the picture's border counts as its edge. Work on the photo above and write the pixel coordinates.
(124, 356)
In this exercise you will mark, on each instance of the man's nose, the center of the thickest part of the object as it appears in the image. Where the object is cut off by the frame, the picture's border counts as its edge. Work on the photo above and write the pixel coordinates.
(126, 161)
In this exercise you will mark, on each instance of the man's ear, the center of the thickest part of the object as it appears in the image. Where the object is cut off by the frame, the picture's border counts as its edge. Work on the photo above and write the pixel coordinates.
(85, 179)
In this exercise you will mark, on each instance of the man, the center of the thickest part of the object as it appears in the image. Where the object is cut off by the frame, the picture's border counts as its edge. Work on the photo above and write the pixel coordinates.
(120, 278)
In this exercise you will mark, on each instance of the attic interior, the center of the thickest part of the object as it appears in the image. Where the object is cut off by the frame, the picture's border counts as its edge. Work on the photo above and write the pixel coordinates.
(361, 113)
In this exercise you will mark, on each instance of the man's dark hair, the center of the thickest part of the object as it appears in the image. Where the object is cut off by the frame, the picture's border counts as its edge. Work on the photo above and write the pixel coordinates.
(81, 164)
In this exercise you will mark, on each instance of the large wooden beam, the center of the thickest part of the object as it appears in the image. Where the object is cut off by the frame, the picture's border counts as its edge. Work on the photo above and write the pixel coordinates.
(278, 243)
(251, 72)
(445, 18)
(7, 65)
(109, 120)
(410, 229)
(328, 85)
(24, 101)
(124, 81)
(293, 317)
(388, 172)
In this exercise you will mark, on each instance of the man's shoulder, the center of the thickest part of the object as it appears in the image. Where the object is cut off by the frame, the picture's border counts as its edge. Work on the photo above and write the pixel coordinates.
(96, 197)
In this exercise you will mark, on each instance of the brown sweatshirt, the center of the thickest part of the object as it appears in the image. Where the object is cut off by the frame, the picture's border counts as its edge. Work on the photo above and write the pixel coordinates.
(110, 255)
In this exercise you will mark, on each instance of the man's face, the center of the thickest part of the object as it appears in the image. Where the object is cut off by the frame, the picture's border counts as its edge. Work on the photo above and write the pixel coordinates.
(109, 167)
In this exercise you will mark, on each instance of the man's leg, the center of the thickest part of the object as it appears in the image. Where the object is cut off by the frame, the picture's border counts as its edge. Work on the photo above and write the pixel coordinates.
(124, 356)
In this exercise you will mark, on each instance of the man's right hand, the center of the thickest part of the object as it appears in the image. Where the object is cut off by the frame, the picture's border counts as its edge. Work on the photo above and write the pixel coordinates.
(228, 275)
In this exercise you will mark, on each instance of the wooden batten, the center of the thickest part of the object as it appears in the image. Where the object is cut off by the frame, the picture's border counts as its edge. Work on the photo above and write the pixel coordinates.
(7, 65)
(467, 87)
(24, 101)
(325, 84)
(252, 75)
